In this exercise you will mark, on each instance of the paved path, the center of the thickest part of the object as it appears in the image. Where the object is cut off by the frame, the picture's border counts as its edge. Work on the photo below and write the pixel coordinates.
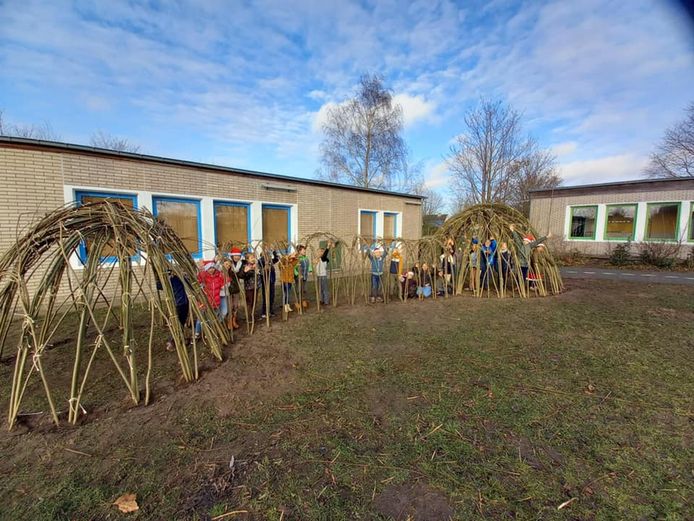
(660, 277)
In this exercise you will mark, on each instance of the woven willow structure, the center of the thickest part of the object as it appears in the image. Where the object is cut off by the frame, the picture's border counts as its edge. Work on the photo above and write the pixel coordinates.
(350, 268)
(42, 282)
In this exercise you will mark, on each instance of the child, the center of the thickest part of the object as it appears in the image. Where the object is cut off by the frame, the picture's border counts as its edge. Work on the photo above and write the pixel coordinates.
(233, 269)
(287, 265)
(250, 284)
(322, 274)
(474, 265)
(266, 270)
(180, 301)
(444, 286)
(424, 282)
(448, 262)
(377, 258)
(301, 275)
(409, 285)
(505, 262)
(212, 282)
(525, 244)
(488, 261)
(395, 268)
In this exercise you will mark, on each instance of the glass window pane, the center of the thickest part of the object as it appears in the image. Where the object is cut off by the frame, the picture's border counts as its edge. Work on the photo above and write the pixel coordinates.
(129, 202)
(182, 216)
(620, 222)
(583, 221)
(367, 225)
(389, 225)
(231, 224)
(662, 221)
(691, 224)
(276, 226)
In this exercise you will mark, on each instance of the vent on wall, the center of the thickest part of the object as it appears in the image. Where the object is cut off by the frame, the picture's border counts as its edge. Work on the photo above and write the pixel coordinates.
(281, 188)
(412, 203)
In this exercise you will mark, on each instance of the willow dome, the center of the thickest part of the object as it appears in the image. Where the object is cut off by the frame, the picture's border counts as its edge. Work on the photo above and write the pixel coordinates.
(523, 265)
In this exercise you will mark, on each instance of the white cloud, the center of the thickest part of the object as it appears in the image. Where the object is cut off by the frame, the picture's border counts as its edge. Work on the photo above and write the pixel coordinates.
(436, 175)
(564, 149)
(415, 108)
(603, 169)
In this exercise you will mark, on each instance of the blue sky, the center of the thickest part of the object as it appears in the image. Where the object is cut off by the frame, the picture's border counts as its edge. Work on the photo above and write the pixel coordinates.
(246, 84)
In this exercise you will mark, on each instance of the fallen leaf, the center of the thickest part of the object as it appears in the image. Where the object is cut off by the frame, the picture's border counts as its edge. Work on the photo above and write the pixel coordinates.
(127, 503)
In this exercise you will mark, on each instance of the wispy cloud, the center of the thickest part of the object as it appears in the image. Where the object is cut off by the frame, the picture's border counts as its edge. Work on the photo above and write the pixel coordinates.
(597, 80)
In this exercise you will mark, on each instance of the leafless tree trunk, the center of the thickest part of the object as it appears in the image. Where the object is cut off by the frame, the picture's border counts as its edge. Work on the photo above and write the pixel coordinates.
(537, 170)
(102, 139)
(494, 161)
(363, 142)
(674, 157)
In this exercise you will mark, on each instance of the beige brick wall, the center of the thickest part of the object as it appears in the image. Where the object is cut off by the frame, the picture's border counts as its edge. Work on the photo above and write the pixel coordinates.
(33, 180)
(549, 214)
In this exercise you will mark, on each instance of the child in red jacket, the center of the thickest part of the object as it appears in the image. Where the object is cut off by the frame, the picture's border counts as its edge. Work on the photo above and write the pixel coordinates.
(213, 282)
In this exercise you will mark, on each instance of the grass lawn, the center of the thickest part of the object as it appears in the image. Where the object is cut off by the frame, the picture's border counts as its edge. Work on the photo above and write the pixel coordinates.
(457, 408)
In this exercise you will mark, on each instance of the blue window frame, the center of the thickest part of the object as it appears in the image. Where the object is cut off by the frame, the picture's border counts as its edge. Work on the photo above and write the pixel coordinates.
(386, 215)
(219, 209)
(83, 197)
(276, 235)
(194, 244)
(363, 223)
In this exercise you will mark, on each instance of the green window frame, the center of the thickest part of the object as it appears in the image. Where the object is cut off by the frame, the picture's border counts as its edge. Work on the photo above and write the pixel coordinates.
(647, 236)
(571, 223)
(690, 235)
(633, 224)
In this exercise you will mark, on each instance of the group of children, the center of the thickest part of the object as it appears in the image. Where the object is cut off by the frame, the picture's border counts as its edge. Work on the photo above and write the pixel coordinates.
(229, 276)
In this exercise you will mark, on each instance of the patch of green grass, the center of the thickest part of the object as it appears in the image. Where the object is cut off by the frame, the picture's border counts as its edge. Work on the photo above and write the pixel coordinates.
(501, 408)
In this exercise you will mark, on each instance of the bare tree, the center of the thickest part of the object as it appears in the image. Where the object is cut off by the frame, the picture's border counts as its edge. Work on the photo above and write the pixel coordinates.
(537, 170)
(44, 131)
(434, 202)
(674, 157)
(101, 139)
(362, 143)
(494, 161)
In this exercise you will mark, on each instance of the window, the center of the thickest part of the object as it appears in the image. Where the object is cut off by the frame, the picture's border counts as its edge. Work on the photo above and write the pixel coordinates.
(691, 221)
(92, 197)
(367, 225)
(276, 226)
(662, 223)
(232, 224)
(335, 255)
(183, 215)
(390, 226)
(583, 220)
(620, 222)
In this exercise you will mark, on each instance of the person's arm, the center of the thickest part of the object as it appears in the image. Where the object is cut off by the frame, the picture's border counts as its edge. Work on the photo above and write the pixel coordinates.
(324, 257)
(534, 244)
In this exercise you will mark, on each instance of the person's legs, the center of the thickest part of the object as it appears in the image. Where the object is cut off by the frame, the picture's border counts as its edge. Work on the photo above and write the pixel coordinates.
(250, 301)
(524, 274)
(182, 316)
(223, 309)
(375, 284)
(272, 298)
(324, 290)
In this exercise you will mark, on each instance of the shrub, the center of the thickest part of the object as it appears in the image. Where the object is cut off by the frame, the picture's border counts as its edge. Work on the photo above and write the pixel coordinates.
(620, 254)
(659, 254)
(564, 255)
(689, 260)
